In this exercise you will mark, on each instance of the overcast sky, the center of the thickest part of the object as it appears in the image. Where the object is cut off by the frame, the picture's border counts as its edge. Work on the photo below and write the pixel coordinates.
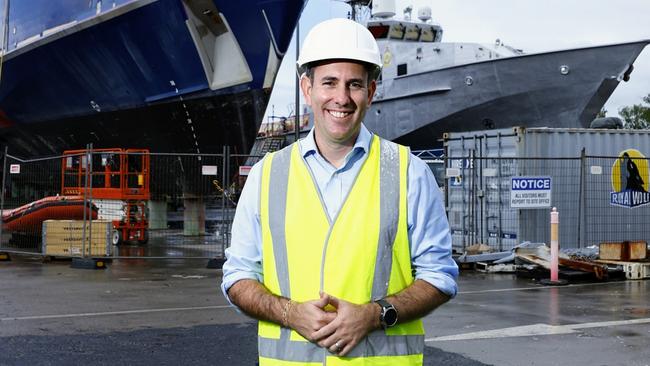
(533, 26)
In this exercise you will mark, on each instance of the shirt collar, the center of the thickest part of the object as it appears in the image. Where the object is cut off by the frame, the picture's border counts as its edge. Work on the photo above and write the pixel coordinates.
(308, 144)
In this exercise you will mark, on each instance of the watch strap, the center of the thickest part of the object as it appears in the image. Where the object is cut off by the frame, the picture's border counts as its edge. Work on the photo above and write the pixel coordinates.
(384, 304)
(386, 307)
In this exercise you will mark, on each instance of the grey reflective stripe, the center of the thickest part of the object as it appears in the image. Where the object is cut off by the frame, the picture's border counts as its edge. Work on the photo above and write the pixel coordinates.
(287, 350)
(277, 211)
(375, 344)
(277, 218)
(389, 191)
(378, 343)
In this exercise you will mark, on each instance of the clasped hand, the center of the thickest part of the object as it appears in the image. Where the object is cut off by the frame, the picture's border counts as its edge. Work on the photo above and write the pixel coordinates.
(338, 331)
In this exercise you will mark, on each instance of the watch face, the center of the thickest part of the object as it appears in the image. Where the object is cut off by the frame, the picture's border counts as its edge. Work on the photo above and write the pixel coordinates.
(390, 316)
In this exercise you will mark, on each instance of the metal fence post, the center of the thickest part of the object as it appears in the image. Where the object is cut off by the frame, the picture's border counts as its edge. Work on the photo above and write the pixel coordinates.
(2, 199)
(482, 190)
(463, 183)
(227, 188)
(89, 161)
(471, 193)
(500, 162)
(581, 200)
(83, 230)
(223, 225)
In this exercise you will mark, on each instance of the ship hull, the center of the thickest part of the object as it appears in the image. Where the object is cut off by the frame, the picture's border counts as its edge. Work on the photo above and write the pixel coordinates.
(528, 90)
(123, 77)
(213, 122)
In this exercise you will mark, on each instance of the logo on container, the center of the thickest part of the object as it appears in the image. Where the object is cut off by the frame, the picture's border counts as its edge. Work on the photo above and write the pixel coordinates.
(630, 180)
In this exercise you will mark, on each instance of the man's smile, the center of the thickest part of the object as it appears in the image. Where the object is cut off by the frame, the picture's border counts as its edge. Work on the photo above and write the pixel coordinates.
(338, 114)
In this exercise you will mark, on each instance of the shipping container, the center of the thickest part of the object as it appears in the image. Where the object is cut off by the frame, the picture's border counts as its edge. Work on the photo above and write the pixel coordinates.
(597, 178)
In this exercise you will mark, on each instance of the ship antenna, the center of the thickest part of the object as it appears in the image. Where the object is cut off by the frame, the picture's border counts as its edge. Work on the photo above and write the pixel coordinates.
(407, 12)
(358, 7)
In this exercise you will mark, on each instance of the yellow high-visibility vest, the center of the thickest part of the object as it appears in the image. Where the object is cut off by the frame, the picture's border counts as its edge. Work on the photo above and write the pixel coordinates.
(359, 256)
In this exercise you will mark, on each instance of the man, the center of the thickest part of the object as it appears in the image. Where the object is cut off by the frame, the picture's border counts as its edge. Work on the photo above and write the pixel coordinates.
(340, 241)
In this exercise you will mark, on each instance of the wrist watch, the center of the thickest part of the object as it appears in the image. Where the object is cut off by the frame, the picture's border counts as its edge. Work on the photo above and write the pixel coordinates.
(388, 316)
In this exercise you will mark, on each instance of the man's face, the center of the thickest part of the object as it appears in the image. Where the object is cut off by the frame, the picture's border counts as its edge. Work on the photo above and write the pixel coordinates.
(339, 97)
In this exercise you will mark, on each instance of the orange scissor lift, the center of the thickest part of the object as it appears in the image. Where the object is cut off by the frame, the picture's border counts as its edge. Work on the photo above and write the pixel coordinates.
(120, 188)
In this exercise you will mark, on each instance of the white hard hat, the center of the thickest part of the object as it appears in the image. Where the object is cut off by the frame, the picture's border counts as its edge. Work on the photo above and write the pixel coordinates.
(339, 38)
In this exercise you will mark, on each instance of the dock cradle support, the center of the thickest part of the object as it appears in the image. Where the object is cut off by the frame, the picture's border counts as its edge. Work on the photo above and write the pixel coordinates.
(88, 263)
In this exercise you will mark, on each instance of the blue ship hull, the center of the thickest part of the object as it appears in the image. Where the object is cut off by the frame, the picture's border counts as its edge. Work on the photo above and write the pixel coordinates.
(136, 73)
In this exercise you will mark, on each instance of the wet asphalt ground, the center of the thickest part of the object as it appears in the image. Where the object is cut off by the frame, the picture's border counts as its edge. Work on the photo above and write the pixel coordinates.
(171, 312)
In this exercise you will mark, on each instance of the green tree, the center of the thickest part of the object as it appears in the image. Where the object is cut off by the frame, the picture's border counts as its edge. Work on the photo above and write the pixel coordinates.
(636, 116)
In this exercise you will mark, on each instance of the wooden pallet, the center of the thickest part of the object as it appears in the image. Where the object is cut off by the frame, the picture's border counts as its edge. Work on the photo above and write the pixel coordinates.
(495, 268)
(633, 270)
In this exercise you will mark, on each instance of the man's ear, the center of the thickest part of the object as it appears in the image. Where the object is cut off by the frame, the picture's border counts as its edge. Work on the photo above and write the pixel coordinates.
(306, 86)
(372, 88)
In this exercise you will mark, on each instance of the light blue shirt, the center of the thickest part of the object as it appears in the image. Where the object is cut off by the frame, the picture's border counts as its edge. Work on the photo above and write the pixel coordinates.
(428, 228)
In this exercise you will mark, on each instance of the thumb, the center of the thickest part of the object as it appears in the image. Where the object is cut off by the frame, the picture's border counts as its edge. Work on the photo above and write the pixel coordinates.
(323, 301)
(334, 301)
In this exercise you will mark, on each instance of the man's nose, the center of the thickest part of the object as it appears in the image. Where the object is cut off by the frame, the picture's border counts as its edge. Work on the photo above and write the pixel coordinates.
(342, 95)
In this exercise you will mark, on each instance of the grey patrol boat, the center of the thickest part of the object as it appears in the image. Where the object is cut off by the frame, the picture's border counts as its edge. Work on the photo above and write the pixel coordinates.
(429, 87)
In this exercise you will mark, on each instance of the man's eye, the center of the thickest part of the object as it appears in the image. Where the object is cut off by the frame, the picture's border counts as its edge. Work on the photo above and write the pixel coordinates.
(356, 86)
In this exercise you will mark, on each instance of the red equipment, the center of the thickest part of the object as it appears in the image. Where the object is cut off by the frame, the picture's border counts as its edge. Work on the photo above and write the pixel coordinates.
(120, 187)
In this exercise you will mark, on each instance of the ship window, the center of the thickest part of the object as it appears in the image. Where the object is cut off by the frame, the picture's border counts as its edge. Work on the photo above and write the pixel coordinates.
(412, 33)
(428, 35)
(397, 31)
(401, 69)
(379, 31)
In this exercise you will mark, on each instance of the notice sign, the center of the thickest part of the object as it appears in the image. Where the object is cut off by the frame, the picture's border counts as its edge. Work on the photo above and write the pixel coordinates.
(14, 169)
(530, 192)
(208, 169)
(244, 170)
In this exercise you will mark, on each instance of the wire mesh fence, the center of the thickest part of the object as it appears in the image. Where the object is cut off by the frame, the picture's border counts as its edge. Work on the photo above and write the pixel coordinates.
(600, 199)
(616, 199)
(28, 186)
(125, 203)
(120, 203)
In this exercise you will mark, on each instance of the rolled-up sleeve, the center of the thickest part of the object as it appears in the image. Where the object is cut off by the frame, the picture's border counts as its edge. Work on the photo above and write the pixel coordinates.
(244, 256)
(429, 230)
